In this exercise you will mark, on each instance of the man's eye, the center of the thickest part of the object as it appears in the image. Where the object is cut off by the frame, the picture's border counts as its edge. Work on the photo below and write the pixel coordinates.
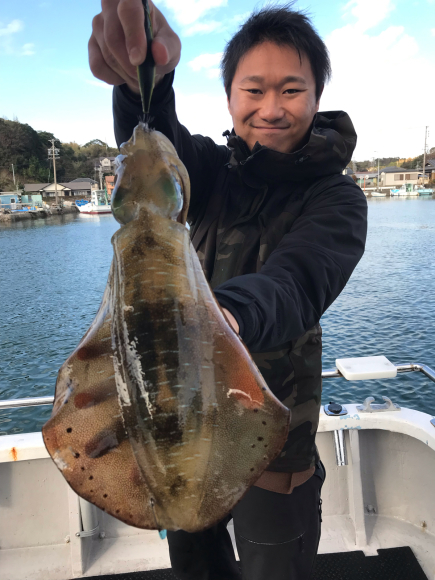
(254, 91)
(292, 91)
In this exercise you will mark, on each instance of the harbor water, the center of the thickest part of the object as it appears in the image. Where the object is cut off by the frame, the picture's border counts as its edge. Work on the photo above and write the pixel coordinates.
(53, 273)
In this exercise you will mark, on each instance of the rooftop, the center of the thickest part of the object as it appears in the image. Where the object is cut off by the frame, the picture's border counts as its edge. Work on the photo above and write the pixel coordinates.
(88, 179)
(399, 170)
(81, 184)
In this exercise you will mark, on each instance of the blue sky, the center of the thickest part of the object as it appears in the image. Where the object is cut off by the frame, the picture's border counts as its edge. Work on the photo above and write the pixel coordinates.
(382, 54)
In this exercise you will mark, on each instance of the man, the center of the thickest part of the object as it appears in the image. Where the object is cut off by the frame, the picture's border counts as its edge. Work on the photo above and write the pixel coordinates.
(278, 230)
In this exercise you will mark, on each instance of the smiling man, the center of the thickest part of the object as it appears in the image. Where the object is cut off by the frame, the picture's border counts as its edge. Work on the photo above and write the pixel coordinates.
(278, 230)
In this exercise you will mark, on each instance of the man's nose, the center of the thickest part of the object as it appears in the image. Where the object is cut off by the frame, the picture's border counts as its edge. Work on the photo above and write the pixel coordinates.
(271, 108)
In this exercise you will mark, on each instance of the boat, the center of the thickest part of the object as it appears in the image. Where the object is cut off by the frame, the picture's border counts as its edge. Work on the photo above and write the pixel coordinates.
(378, 499)
(99, 203)
(424, 191)
(378, 194)
(406, 189)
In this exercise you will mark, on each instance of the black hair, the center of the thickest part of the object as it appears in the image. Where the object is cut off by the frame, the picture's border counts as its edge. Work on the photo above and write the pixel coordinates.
(282, 26)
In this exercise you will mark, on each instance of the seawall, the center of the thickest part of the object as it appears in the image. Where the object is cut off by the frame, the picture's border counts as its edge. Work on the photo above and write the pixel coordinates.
(32, 215)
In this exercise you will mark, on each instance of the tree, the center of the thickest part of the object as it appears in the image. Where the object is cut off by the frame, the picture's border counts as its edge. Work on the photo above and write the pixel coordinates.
(95, 142)
(27, 150)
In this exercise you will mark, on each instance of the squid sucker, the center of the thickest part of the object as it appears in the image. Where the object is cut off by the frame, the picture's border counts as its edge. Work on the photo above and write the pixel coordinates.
(161, 418)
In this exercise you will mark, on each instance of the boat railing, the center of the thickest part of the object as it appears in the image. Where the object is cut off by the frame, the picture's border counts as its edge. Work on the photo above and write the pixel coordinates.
(326, 374)
(401, 368)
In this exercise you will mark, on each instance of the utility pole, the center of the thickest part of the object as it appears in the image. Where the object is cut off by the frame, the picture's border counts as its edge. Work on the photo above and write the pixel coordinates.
(378, 177)
(424, 153)
(13, 175)
(54, 155)
(377, 183)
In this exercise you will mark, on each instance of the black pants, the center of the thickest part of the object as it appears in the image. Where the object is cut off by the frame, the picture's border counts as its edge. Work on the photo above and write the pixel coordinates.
(277, 538)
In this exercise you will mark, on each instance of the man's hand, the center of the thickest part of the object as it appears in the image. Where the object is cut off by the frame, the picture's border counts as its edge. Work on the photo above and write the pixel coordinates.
(118, 43)
(231, 320)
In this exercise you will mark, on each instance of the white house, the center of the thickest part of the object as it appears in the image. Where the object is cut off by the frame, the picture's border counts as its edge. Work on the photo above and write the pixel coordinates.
(396, 176)
(107, 164)
(70, 189)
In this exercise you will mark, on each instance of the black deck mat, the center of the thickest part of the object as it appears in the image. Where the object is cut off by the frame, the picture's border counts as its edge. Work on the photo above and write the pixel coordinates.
(390, 564)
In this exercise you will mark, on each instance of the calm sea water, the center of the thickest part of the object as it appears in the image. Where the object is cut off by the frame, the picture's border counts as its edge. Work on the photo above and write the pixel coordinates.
(53, 274)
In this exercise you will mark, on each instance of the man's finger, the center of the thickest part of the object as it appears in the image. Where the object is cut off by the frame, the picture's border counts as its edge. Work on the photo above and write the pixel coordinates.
(166, 52)
(113, 42)
(99, 67)
(131, 16)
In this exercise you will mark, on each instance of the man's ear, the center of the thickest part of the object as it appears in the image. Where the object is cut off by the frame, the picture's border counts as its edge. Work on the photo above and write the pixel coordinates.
(228, 105)
(320, 96)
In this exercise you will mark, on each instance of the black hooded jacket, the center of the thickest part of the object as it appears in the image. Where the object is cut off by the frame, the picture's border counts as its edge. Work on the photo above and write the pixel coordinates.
(278, 236)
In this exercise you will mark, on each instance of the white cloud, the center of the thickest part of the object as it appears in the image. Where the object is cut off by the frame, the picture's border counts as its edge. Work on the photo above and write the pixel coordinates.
(369, 13)
(11, 28)
(28, 49)
(203, 28)
(213, 73)
(210, 26)
(383, 81)
(7, 42)
(204, 113)
(205, 61)
(189, 11)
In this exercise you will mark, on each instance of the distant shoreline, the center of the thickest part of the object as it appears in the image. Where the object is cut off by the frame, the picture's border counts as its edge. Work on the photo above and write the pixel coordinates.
(31, 215)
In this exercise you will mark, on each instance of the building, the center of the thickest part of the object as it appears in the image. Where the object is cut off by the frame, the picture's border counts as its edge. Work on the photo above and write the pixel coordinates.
(107, 164)
(9, 200)
(393, 177)
(429, 170)
(32, 199)
(366, 178)
(83, 179)
(110, 184)
(76, 188)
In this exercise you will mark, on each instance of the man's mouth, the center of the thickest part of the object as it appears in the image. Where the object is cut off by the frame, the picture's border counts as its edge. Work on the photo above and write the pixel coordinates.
(270, 129)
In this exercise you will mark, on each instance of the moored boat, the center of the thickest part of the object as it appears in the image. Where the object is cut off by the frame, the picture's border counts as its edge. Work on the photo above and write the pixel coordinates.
(405, 190)
(425, 191)
(378, 495)
(99, 203)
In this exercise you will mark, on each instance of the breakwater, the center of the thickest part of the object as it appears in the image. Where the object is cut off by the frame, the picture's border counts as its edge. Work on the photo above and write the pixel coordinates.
(38, 214)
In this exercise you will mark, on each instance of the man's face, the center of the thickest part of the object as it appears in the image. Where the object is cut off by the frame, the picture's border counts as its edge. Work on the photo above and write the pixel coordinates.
(273, 97)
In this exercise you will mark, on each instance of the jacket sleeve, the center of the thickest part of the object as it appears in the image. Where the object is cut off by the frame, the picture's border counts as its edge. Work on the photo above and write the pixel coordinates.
(201, 155)
(306, 272)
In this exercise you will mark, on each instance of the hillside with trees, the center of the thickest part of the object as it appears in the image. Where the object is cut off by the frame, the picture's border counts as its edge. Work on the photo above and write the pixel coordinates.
(26, 149)
(410, 163)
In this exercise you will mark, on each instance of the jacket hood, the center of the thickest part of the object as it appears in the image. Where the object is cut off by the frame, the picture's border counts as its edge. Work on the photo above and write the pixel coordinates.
(329, 149)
